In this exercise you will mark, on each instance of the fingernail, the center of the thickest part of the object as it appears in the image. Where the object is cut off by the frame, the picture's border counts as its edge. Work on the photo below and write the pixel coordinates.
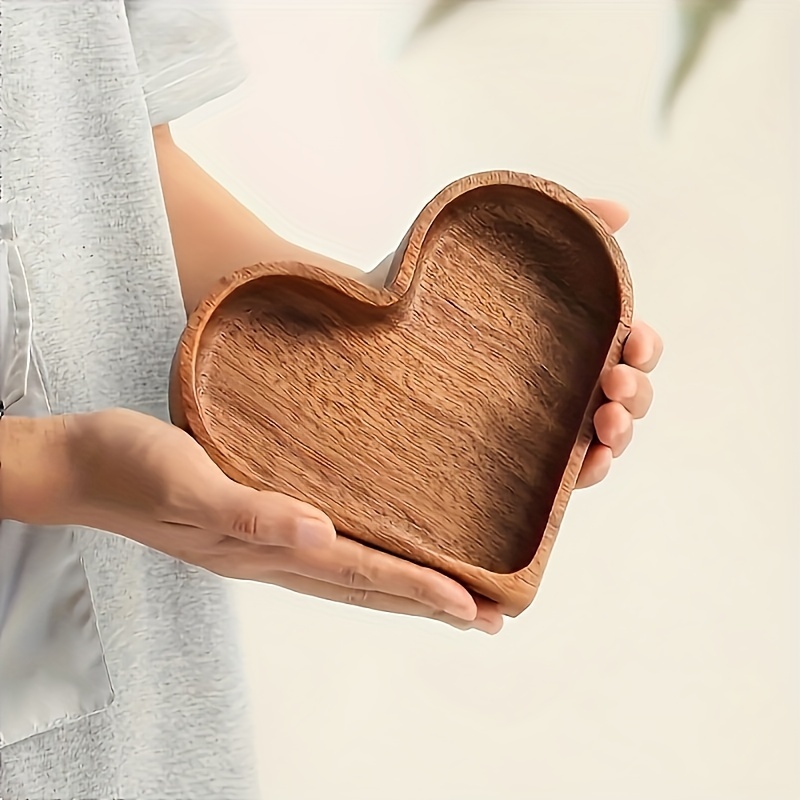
(487, 626)
(314, 533)
(648, 350)
(630, 388)
(462, 609)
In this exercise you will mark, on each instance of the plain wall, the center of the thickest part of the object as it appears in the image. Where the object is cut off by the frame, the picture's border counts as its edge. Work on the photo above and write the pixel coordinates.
(660, 659)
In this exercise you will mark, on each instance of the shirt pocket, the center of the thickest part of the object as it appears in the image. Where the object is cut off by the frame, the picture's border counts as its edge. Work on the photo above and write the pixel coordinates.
(52, 665)
(16, 322)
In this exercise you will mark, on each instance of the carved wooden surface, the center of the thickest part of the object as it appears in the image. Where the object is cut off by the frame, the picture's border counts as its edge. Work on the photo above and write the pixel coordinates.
(444, 418)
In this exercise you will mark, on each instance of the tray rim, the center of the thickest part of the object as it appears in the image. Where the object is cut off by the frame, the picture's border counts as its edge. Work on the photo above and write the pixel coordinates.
(514, 591)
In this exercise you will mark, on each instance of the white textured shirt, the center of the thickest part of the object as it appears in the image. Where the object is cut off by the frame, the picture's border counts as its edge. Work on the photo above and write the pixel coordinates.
(120, 675)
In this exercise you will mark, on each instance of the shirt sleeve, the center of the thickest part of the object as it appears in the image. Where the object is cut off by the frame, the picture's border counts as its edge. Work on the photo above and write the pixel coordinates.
(186, 54)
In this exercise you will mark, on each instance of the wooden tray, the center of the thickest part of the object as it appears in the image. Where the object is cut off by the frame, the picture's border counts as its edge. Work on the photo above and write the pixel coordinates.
(443, 418)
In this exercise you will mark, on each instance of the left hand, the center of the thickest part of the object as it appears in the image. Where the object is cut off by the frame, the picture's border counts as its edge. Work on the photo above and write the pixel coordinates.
(626, 386)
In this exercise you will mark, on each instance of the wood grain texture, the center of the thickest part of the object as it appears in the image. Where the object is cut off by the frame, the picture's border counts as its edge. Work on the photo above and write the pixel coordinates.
(443, 418)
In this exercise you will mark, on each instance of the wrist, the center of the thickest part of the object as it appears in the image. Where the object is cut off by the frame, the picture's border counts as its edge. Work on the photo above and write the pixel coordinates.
(35, 473)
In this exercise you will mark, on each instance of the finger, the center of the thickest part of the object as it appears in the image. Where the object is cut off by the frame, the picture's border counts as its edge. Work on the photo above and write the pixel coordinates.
(269, 518)
(613, 426)
(630, 387)
(614, 215)
(643, 347)
(354, 566)
(488, 620)
(489, 613)
(595, 466)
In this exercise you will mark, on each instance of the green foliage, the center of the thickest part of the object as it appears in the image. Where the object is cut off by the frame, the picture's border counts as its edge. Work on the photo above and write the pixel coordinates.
(697, 19)
(438, 11)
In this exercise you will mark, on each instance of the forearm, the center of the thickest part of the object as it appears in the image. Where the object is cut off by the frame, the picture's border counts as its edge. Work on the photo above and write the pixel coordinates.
(213, 234)
(35, 471)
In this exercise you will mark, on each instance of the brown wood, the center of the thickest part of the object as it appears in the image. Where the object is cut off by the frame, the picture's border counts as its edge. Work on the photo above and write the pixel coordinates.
(443, 418)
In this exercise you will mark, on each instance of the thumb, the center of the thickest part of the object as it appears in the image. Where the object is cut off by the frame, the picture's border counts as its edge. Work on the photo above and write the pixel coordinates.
(613, 215)
(270, 518)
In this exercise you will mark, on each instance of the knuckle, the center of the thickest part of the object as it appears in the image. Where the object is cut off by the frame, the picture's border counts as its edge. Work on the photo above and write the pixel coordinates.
(349, 576)
(245, 526)
(354, 577)
(357, 597)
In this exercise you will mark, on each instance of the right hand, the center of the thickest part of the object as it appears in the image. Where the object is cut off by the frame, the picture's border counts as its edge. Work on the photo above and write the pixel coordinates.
(133, 475)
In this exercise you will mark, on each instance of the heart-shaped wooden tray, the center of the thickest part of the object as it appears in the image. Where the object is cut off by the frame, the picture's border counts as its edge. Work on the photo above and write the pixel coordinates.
(443, 418)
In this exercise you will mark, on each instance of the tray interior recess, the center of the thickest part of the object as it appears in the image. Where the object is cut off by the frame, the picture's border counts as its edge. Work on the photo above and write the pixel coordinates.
(446, 425)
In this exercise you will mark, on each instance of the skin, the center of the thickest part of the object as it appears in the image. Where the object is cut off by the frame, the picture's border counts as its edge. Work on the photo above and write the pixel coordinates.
(195, 202)
(138, 477)
(213, 235)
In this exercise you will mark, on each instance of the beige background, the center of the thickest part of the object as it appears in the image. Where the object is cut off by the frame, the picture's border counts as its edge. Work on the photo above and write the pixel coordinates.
(661, 657)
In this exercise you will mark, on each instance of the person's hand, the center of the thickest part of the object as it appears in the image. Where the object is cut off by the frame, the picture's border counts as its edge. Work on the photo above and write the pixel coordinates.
(352, 573)
(133, 475)
(321, 573)
(626, 386)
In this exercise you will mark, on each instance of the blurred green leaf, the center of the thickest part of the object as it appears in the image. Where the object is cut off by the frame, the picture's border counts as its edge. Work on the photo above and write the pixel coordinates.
(436, 12)
(697, 19)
